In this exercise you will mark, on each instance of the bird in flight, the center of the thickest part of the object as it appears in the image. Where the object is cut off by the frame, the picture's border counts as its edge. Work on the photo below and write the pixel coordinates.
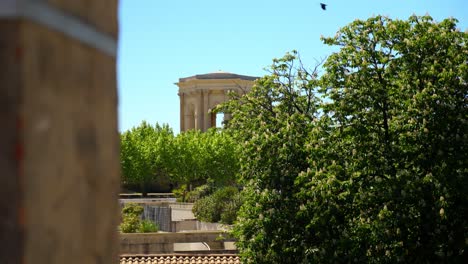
(323, 6)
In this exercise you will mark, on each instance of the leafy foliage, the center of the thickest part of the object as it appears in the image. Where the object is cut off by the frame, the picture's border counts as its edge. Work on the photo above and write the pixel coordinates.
(397, 163)
(132, 209)
(201, 191)
(147, 226)
(377, 172)
(192, 158)
(221, 206)
(131, 220)
(130, 224)
(272, 124)
(205, 156)
(146, 154)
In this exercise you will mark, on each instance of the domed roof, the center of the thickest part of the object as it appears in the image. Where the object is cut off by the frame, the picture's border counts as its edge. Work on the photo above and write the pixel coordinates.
(217, 76)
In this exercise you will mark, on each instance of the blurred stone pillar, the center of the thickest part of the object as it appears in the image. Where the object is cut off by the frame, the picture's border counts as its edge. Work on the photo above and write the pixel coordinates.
(59, 144)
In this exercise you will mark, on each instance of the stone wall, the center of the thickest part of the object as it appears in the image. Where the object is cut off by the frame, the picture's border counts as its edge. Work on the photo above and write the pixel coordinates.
(194, 224)
(163, 243)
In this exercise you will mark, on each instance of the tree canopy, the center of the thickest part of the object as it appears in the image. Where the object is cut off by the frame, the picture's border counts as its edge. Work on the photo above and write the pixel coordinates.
(200, 156)
(152, 153)
(376, 172)
(146, 154)
(272, 123)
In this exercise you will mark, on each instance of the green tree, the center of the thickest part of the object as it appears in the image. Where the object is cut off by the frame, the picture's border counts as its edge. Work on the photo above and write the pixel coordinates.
(190, 159)
(377, 172)
(271, 123)
(392, 172)
(146, 154)
(204, 156)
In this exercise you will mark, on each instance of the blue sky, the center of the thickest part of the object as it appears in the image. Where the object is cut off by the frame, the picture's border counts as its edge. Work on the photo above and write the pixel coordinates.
(162, 41)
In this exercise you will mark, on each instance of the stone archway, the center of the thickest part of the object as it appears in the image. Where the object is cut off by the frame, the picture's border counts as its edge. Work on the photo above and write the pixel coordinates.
(200, 93)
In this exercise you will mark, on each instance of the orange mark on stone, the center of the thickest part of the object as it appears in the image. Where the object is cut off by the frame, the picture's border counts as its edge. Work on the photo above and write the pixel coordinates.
(21, 216)
(19, 123)
(19, 156)
(19, 152)
(18, 53)
(19, 149)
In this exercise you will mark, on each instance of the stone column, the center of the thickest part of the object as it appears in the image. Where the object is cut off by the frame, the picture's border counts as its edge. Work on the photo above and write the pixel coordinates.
(182, 110)
(206, 109)
(188, 111)
(200, 113)
(59, 144)
(189, 118)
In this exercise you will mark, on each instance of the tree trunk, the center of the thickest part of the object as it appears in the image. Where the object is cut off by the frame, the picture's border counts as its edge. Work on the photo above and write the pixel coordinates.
(144, 190)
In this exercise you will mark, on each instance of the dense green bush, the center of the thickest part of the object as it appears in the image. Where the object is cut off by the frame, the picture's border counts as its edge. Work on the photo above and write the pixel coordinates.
(130, 223)
(230, 209)
(221, 206)
(147, 226)
(131, 220)
(132, 209)
(200, 192)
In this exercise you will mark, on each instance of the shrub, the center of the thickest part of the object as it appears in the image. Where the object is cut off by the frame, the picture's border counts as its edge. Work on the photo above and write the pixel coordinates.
(132, 223)
(231, 207)
(205, 209)
(221, 206)
(132, 209)
(200, 192)
(180, 193)
(146, 226)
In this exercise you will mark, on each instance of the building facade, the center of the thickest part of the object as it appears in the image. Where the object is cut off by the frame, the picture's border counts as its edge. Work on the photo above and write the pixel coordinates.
(199, 94)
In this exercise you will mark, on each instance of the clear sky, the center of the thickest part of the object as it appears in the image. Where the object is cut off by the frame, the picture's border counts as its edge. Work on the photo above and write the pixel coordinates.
(163, 40)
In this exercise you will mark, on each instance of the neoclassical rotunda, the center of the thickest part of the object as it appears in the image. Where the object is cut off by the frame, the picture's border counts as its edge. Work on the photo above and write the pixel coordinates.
(200, 93)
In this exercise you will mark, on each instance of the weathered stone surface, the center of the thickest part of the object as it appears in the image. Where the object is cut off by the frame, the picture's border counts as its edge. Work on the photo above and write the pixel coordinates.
(102, 14)
(199, 94)
(158, 243)
(71, 148)
(59, 154)
(11, 230)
